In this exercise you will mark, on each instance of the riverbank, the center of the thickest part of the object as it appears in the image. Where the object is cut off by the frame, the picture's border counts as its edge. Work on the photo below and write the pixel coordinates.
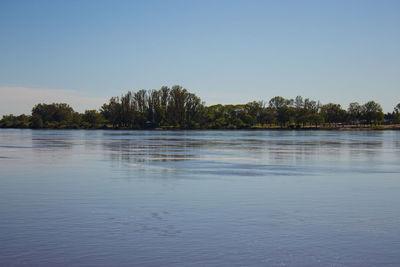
(332, 127)
(264, 127)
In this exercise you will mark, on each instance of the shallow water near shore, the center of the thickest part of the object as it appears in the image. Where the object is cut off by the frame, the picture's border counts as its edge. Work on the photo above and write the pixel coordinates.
(199, 198)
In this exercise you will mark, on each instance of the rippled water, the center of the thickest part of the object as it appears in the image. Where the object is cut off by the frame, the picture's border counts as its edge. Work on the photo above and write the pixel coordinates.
(199, 198)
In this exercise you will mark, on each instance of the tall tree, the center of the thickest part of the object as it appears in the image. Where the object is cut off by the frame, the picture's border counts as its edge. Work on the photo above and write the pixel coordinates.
(140, 105)
(284, 112)
(396, 114)
(298, 102)
(112, 111)
(56, 112)
(155, 107)
(127, 110)
(278, 102)
(372, 112)
(333, 113)
(92, 117)
(354, 111)
(176, 106)
(397, 108)
(193, 111)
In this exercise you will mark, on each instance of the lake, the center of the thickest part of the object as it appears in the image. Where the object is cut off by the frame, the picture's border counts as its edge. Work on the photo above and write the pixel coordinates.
(199, 198)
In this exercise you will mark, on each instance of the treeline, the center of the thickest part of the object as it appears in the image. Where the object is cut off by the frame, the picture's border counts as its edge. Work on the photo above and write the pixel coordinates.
(176, 108)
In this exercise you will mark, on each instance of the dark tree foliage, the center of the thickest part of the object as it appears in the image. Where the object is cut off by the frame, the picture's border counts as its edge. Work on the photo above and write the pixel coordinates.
(11, 121)
(354, 112)
(92, 119)
(112, 112)
(372, 112)
(333, 113)
(397, 114)
(177, 108)
(56, 112)
(37, 121)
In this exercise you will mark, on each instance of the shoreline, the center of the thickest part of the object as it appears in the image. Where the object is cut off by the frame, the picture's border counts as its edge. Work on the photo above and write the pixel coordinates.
(391, 127)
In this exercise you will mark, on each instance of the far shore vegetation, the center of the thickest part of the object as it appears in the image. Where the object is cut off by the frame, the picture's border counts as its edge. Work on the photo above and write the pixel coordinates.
(177, 108)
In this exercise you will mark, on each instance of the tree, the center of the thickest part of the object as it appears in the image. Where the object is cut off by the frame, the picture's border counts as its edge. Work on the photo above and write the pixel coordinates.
(333, 113)
(56, 112)
(268, 115)
(155, 107)
(298, 102)
(127, 112)
(11, 121)
(316, 119)
(397, 108)
(193, 111)
(283, 111)
(63, 112)
(176, 106)
(300, 111)
(140, 105)
(285, 114)
(37, 121)
(254, 109)
(112, 111)
(354, 111)
(396, 113)
(278, 102)
(311, 106)
(92, 117)
(372, 112)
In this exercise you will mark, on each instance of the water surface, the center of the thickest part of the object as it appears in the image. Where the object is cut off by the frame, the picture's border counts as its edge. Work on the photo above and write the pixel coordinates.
(199, 198)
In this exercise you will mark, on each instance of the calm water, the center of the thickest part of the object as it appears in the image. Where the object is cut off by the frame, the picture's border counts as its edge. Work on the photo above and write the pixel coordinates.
(199, 198)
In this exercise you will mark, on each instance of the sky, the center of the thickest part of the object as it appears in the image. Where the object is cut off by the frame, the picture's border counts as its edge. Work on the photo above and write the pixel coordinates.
(228, 52)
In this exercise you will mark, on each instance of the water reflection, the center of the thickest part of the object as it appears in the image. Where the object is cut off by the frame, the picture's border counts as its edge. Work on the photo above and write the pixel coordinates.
(146, 150)
(246, 153)
(239, 153)
(53, 140)
(214, 198)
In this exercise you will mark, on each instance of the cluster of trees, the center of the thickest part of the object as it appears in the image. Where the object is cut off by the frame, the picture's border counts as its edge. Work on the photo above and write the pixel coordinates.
(54, 116)
(177, 108)
(154, 108)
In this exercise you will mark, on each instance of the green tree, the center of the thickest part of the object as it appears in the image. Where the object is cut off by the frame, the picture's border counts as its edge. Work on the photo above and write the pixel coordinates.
(37, 121)
(140, 105)
(127, 110)
(155, 107)
(92, 117)
(372, 112)
(396, 113)
(298, 102)
(255, 111)
(282, 108)
(112, 111)
(193, 111)
(316, 119)
(278, 102)
(11, 121)
(333, 113)
(285, 114)
(53, 115)
(176, 106)
(354, 111)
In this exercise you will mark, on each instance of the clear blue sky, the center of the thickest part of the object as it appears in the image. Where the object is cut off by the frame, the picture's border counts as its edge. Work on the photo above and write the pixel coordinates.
(224, 51)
